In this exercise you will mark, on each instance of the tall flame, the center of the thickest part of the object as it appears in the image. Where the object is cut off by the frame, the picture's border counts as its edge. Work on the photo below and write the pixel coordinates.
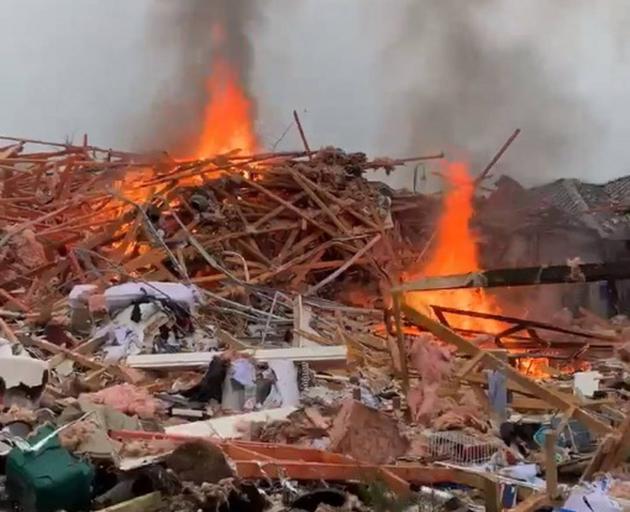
(455, 251)
(228, 115)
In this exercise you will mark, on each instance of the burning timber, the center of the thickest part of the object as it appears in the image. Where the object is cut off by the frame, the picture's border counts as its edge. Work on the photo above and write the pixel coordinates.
(173, 330)
(250, 219)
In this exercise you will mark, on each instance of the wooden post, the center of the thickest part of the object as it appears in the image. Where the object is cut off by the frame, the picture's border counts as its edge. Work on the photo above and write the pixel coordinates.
(400, 338)
(492, 496)
(551, 466)
(302, 136)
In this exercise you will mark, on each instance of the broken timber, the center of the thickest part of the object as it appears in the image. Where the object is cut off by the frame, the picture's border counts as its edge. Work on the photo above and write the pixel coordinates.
(520, 324)
(557, 400)
(280, 461)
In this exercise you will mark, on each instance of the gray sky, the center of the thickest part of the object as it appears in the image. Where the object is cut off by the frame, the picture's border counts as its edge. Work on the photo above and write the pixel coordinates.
(372, 75)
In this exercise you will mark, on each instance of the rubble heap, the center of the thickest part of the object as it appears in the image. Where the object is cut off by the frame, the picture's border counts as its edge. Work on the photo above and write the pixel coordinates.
(226, 334)
(81, 214)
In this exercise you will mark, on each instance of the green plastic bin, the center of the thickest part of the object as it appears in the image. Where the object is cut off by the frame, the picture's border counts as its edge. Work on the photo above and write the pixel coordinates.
(50, 479)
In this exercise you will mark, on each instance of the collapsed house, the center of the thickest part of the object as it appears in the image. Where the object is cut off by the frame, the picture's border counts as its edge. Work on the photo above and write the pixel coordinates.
(251, 332)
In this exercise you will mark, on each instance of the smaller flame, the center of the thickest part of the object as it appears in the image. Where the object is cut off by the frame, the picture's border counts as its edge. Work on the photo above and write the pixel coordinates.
(534, 367)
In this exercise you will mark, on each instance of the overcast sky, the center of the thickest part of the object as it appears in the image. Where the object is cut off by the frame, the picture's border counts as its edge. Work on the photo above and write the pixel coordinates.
(365, 75)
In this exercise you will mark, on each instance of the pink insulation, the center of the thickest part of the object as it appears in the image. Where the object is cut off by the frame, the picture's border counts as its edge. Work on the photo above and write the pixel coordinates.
(126, 398)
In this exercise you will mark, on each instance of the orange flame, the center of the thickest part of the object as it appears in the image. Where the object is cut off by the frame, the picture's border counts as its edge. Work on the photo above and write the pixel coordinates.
(455, 252)
(228, 115)
(456, 245)
(227, 126)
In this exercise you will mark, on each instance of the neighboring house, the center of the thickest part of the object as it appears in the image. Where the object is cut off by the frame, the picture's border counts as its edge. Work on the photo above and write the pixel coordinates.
(555, 222)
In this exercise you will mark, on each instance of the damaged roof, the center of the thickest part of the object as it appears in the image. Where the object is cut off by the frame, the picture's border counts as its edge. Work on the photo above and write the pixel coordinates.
(599, 207)
(603, 208)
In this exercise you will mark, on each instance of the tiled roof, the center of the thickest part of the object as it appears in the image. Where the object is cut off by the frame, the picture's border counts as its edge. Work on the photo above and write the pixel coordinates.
(599, 207)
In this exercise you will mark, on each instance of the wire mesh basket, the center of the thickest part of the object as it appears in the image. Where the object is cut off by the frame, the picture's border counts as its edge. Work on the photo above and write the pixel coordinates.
(461, 448)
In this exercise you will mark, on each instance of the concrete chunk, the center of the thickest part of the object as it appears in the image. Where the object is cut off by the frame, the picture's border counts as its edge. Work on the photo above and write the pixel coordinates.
(366, 434)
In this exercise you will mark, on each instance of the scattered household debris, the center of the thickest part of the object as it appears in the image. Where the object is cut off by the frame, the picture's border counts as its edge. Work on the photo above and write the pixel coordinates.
(235, 333)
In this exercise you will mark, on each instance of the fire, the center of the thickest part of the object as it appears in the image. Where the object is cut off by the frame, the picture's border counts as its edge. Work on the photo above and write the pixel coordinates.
(455, 251)
(228, 115)
(227, 126)
(535, 367)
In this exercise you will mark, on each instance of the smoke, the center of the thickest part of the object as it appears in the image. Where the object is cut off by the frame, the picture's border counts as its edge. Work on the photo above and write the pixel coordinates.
(390, 78)
(187, 37)
(474, 71)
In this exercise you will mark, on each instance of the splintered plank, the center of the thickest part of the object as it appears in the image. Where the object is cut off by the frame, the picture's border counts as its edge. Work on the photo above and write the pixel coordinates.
(291, 207)
(298, 247)
(151, 258)
(277, 211)
(313, 195)
(25, 225)
(80, 359)
(350, 208)
(345, 266)
(288, 243)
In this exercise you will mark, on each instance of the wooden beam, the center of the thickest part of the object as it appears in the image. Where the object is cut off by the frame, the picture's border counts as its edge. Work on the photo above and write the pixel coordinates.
(273, 460)
(622, 453)
(526, 276)
(606, 446)
(557, 400)
(276, 211)
(551, 466)
(400, 340)
(345, 206)
(497, 157)
(522, 324)
(289, 206)
(80, 359)
(492, 495)
(146, 503)
(470, 365)
(192, 360)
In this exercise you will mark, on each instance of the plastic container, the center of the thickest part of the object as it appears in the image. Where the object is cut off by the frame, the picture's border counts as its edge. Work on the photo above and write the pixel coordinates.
(50, 479)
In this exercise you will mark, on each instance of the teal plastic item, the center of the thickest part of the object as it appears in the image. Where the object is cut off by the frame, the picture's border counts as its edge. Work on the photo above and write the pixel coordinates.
(575, 435)
(50, 479)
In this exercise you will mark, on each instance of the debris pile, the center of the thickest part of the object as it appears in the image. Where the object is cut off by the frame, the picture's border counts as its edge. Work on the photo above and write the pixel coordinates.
(233, 333)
